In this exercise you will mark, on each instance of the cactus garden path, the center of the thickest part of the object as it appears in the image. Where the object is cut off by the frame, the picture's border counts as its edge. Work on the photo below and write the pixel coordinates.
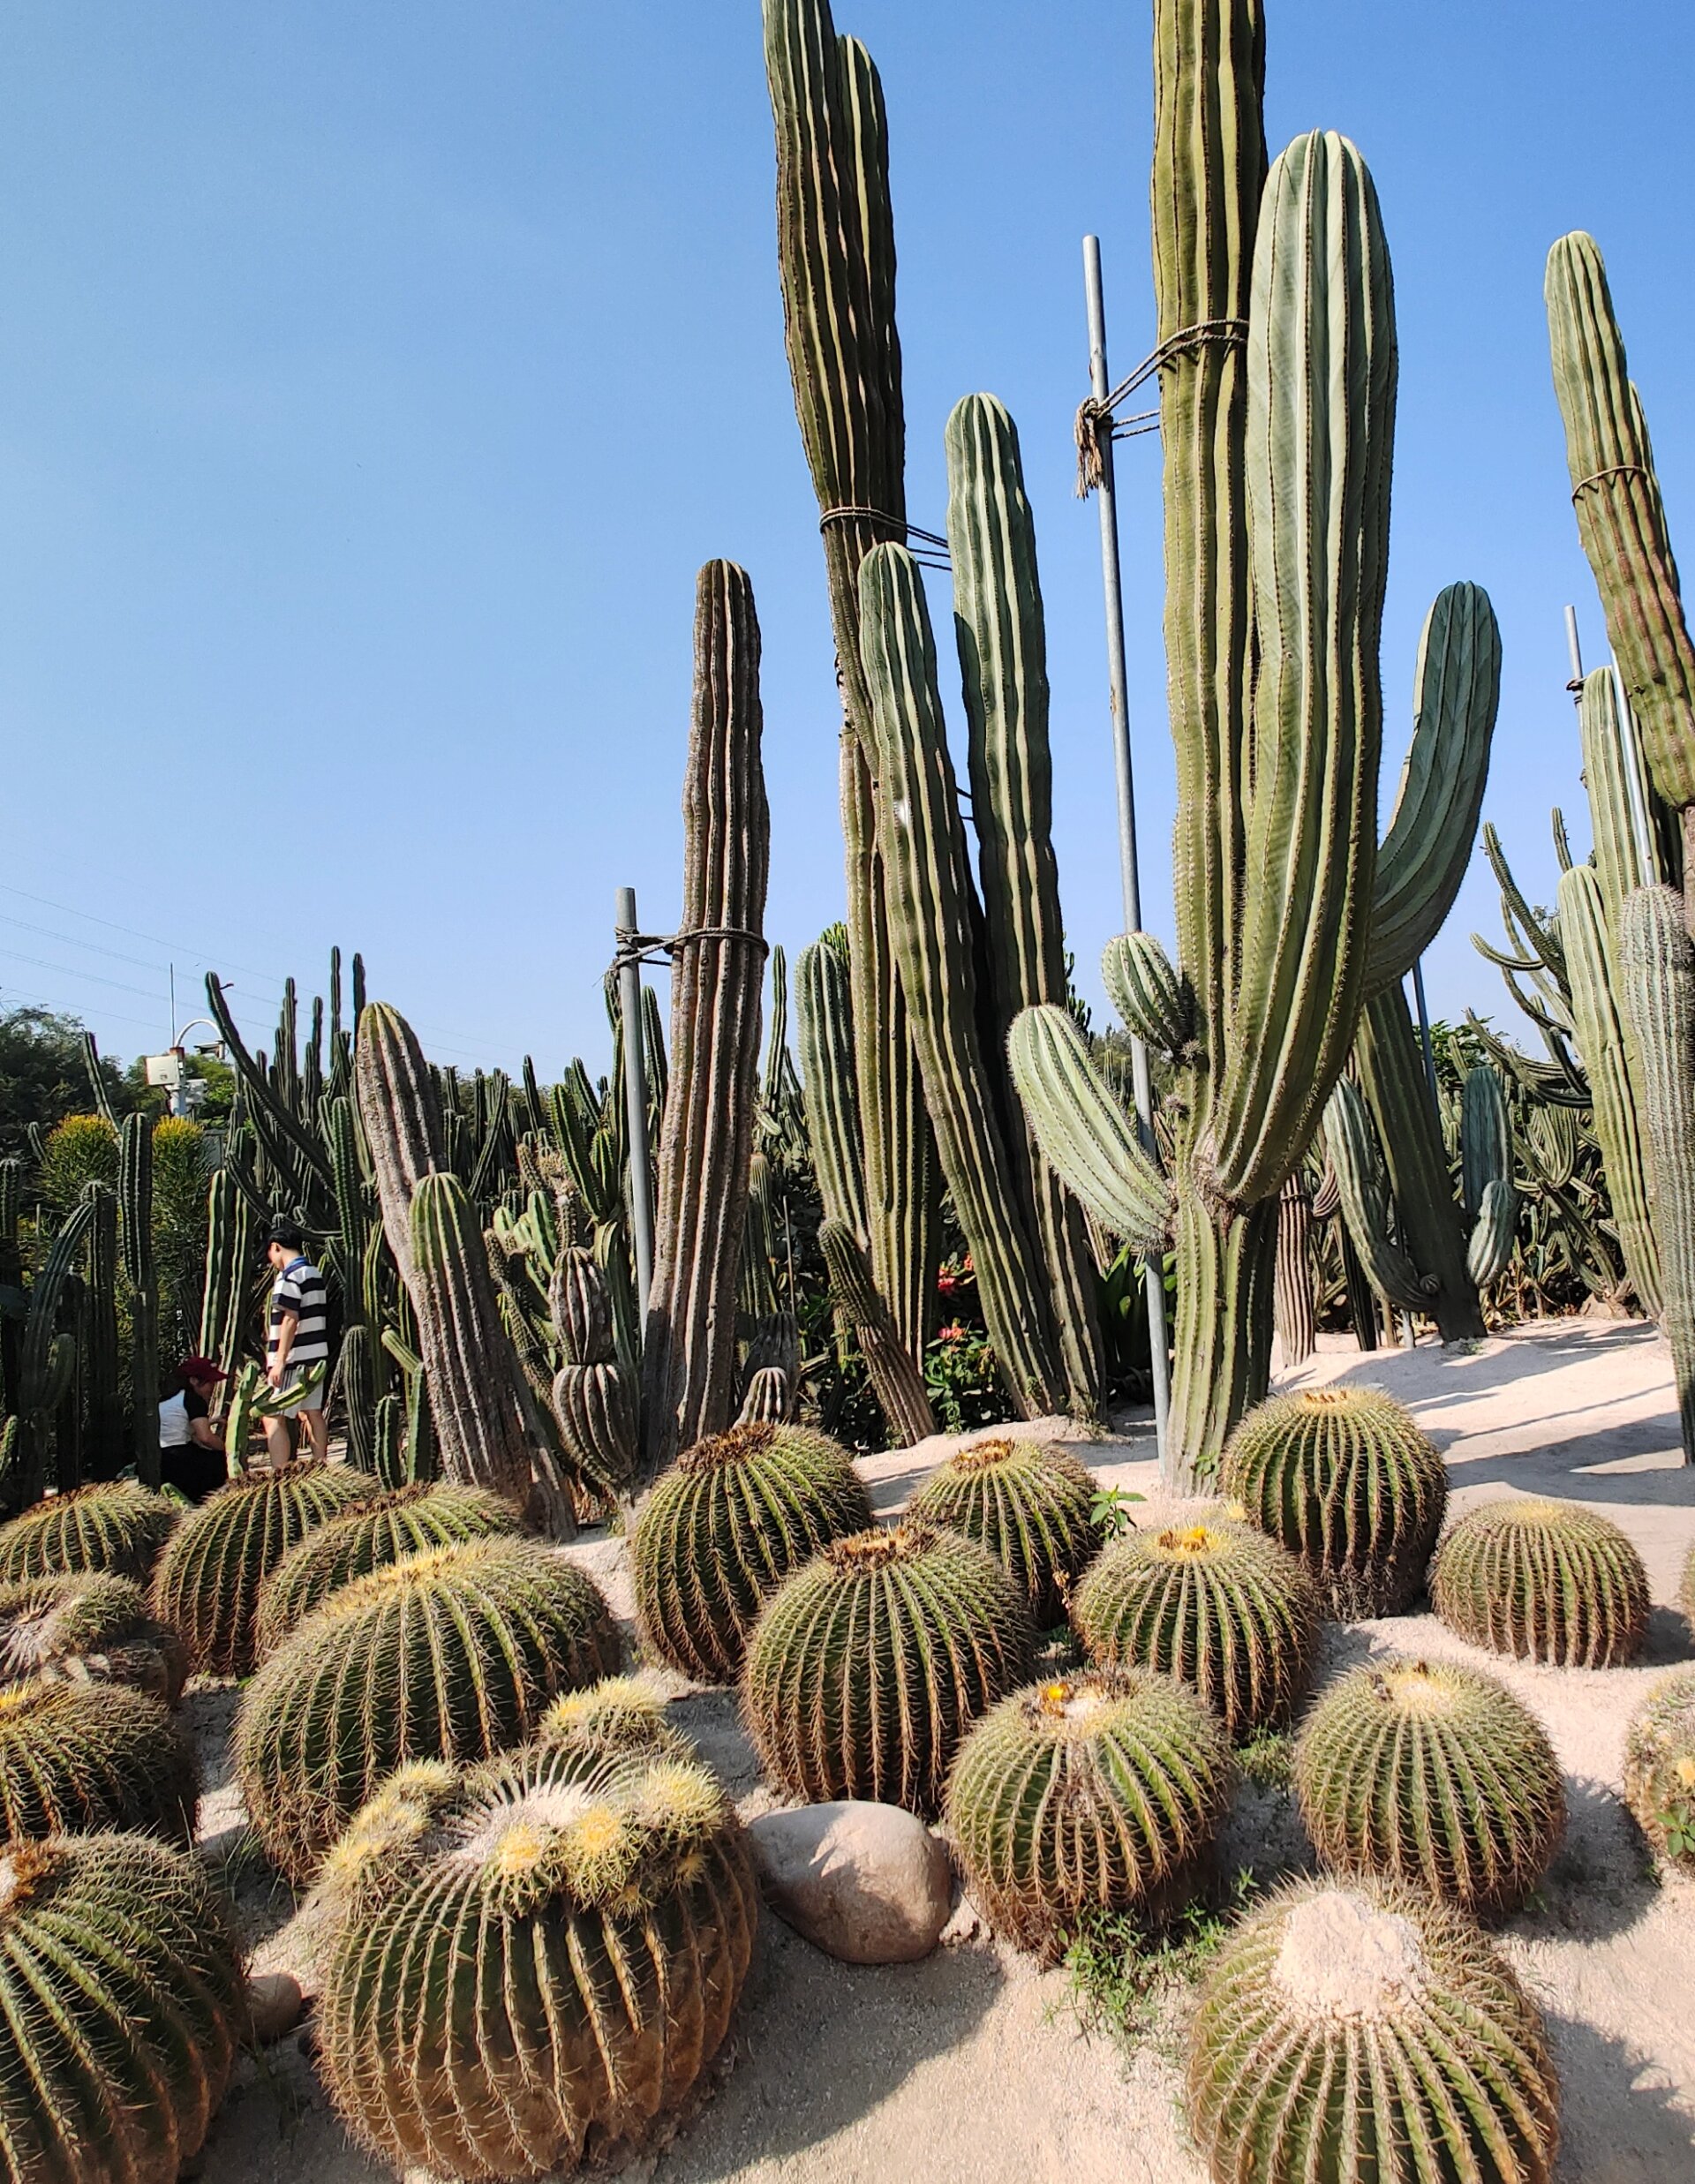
(973, 2066)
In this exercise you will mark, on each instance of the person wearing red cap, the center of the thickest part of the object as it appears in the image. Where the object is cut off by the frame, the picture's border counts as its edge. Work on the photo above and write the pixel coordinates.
(190, 1447)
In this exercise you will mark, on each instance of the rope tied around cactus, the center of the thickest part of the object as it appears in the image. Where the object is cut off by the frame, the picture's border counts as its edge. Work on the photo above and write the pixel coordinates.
(929, 548)
(1613, 470)
(666, 947)
(1095, 418)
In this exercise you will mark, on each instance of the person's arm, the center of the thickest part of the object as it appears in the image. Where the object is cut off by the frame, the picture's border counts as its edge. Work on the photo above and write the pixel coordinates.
(204, 1434)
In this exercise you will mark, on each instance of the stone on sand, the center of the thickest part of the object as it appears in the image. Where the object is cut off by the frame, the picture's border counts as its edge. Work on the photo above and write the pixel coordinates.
(867, 1883)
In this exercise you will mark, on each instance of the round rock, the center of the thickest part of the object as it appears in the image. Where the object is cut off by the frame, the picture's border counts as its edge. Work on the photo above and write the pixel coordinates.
(867, 1883)
(275, 2004)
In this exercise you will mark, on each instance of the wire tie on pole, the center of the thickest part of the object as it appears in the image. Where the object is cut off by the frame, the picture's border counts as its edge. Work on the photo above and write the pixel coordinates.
(664, 947)
(1613, 470)
(1095, 418)
(907, 533)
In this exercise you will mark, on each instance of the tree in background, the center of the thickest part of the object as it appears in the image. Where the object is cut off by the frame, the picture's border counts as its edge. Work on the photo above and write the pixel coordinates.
(43, 1075)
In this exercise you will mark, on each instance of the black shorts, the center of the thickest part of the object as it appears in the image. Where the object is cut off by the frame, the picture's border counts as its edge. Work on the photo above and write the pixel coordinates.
(192, 1470)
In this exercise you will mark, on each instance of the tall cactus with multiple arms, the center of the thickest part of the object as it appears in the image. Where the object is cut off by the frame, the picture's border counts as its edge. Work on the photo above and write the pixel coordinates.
(688, 1358)
(1657, 966)
(1277, 393)
(135, 1196)
(835, 248)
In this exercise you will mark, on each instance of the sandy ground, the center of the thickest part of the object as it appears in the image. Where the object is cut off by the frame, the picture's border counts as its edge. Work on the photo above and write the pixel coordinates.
(972, 2066)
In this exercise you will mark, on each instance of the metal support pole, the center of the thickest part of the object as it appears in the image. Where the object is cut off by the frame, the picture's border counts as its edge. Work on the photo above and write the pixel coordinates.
(641, 1187)
(1154, 1274)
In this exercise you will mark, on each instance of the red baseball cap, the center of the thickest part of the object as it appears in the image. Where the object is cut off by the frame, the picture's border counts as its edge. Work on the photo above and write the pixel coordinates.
(200, 1368)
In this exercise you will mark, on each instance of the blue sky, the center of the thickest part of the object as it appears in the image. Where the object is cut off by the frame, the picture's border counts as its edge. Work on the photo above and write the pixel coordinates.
(373, 381)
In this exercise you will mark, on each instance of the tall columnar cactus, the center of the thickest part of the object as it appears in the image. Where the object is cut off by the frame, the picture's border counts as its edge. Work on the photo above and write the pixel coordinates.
(1029, 1503)
(227, 1298)
(86, 1627)
(116, 1526)
(1656, 962)
(595, 1397)
(835, 250)
(868, 1665)
(1361, 2033)
(1002, 640)
(209, 1578)
(689, 1356)
(451, 1654)
(135, 1198)
(77, 1759)
(1434, 1775)
(1344, 1478)
(1214, 1603)
(929, 909)
(121, 1992)
(600, 1916)
(1275, 326)
(99, 1361)
(368, 1536)
(1098, 1793)
(733, 1517)
(1549, 1581)
(47, 1357)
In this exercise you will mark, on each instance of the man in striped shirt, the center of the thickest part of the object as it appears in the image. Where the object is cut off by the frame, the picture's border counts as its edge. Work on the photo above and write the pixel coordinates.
(299, 1340)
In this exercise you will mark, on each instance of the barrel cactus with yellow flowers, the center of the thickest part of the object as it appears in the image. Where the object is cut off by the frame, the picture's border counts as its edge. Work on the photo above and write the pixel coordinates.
(1546, 1581)
(598, 1919)
(1213, 1602)
(116, 1526)
(1028, 1503)
(1344, 1478)
(617, 1718)
(368, 1535)
(1101, 1792)
(730, 1519)
(209, 1578)
(122, 2006)
(866, 1669)
(79, 1758)
(1659, 1769)
(1432, 1775)
(1359, 2031)
(453, 1654)
(83, 1627)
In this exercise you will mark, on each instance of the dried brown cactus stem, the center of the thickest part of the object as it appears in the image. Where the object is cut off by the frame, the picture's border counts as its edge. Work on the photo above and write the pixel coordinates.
(688, 1364)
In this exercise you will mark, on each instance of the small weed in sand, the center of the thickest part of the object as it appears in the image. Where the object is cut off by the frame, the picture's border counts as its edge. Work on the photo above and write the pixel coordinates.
(1109, 1510)
(1122, 1979)
(1266, 1756)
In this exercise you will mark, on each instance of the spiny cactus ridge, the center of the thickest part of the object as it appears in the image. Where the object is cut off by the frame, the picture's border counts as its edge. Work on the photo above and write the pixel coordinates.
(1345, 1479)
(1434, 1775)
(77, 1759)
(208, 1579)
(599, 1920)
(866, 1669)
(732, 1518)
(1660, 1768)
(369, 1535)
(1027, 1502)
(1546, 1581)
(116, 1526)
(122, 1995)
(1213, 1602)
(619, 1717)
(83, 1627)
(451, 1654)
(1362, 2031)
(1099, 1792)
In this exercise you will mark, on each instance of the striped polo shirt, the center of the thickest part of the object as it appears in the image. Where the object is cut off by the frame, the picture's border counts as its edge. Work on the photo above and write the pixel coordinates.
(299, 1288)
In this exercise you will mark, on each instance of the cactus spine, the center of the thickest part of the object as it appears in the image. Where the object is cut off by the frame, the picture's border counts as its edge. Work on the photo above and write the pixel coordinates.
(689, 1356)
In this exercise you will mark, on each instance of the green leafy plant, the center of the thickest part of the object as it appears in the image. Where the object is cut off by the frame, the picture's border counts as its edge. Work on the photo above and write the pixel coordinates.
(1109, 1510)
(1122, 1981)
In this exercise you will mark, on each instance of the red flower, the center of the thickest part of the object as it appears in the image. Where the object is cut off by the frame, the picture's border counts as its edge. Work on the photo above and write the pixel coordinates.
(955, 1333)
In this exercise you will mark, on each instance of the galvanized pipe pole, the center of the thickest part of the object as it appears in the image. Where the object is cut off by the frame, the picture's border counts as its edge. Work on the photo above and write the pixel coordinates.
(641, 1179)
(1154, 1274)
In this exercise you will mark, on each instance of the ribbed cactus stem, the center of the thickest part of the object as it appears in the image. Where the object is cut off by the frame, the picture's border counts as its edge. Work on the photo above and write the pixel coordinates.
(1657, 968)
(895, 1376)
(931, 909)
(689, 1356)
(135, 1198)
(825, 1008)
(399, 1111)
(1294, 1303)
(1362, 1189)
(1616, 784)
(1085, 1130)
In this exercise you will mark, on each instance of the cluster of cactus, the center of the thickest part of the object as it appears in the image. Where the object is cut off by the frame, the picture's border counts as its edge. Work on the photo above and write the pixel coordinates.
(619, 1716)
(83, 1758)
(451, 1654)
(1213, 1602)
(1344, 1478)
(1360, 2031)
(82, 1626)
(601, 1914)
(1659, 1769)
(1547, 1581)
(1030, 1504)
(689, 1352)
(119, 1528)
(367, 1536)
(1100, 1792)
(866, 1669)
(595, 1397)
(1433, 1775)
(731, 1519)
(207, 1582)
(121, 1992)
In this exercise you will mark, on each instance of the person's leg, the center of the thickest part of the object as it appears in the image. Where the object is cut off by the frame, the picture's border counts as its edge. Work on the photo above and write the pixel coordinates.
(278, 1443)
(316, 1422)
